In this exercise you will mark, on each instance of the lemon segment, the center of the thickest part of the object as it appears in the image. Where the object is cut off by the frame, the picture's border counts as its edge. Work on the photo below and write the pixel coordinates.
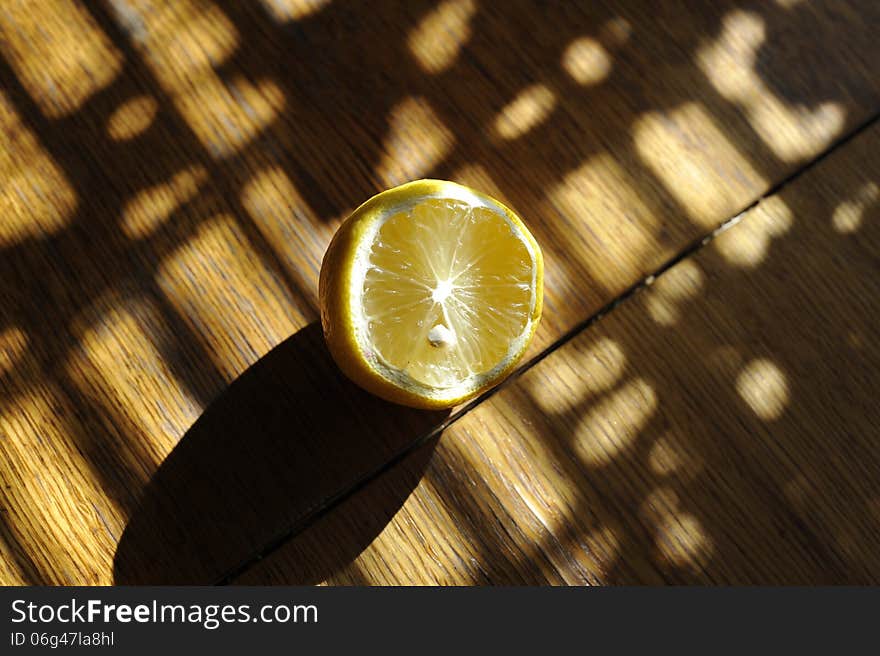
(430, 293)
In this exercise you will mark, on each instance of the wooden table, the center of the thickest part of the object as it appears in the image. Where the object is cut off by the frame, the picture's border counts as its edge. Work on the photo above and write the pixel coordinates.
(700, 401)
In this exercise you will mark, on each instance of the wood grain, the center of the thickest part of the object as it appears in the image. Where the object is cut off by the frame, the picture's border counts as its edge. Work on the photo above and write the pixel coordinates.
(720, 426)
(171, 173)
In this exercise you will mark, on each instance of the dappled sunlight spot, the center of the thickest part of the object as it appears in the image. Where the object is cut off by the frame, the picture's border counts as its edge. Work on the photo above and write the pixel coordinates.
(228, 296)
(132, 118)
(792, 132)
(280, 213)
(668, 456)
(788, 4)
(417, 141)
(37, 199)
(747, 244)
(612, 425)
(438, 39)
(179, 40)
(13, 342)
(150, 208)
(598, 367)
(848, 216)
(183, 43)
(601, 187)
(696, 161)
(602, 363)
(226, 115)
(530, 108)
(119, 364)
(59, 53)
(283, 11)
(764, 388)
(586, 61)
(802, 133)
(664, 298)
(681, 539)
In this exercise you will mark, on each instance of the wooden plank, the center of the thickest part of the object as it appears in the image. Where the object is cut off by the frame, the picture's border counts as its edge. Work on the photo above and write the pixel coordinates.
(721, 426)
(169, 188)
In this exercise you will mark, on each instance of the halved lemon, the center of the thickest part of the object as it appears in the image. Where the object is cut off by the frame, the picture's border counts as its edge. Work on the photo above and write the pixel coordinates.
(430, 293)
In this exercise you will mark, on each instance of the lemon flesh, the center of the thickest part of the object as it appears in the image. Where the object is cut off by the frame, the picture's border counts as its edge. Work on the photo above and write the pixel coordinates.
(448, 290)
(430, 293)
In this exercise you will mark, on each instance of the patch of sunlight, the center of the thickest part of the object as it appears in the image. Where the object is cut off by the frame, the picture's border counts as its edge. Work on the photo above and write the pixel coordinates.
(227, 115)
(58, 52)
(438, 39)
(668, 456)
(132, 118)
(697, 163)
(13, 343)
(611, 426)
(52, 490)
(119, 363)
(664, 299)
(747, 243)
(603, 362)
(189, 37)
(764, 388)
(788, 4)
(602, 194)
(288, 224)
(416, 142)
(36, 197)
(283, 11)
(793, 133)
(530, 108)
(597, 366)
(586, 61)
(183, 43)
(848, 216)
(679, 537)
(151, 207)
(228, 295)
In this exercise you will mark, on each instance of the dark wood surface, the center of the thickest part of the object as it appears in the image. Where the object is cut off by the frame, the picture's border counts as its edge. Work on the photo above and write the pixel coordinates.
(171, 173)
